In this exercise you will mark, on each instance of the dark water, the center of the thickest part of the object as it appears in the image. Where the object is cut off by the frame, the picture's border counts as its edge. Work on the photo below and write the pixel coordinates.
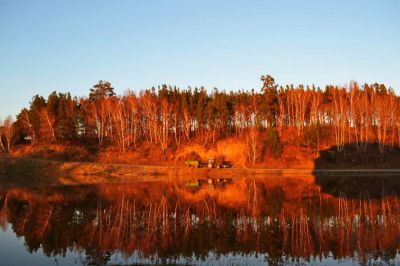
(274, 220)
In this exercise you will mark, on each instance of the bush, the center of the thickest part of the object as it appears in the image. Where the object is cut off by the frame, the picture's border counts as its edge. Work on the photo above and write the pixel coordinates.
(192, 156)
(272, 143)
(329, 156)
(313, 135)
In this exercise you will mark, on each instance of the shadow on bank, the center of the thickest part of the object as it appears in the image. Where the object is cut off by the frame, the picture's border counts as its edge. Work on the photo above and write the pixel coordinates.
(359, 172)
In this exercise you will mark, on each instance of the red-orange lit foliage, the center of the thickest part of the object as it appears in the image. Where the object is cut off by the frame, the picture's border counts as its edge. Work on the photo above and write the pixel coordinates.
(168, 117)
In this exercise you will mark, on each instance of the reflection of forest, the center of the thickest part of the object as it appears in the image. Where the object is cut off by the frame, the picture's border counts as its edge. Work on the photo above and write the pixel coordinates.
(289, 217)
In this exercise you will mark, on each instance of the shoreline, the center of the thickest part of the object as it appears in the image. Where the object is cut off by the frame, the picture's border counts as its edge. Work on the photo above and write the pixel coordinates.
(32, 171)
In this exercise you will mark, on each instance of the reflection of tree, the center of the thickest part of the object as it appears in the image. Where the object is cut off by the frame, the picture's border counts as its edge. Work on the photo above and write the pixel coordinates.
(4, 211)
(95, 256)
(173, 221)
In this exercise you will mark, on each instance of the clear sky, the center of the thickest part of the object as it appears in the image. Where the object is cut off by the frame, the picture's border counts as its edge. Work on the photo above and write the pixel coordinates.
(70, 45)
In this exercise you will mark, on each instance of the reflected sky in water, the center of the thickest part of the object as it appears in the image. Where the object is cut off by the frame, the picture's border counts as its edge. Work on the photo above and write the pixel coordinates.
(301, 220)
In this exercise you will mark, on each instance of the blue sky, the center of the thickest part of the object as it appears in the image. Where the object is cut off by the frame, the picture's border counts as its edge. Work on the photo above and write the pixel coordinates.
(70, 45)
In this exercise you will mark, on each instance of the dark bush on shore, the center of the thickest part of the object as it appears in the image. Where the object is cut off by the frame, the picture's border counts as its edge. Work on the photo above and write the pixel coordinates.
(272, 143)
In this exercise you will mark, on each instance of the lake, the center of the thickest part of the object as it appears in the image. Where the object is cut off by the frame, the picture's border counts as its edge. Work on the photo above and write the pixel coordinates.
(330, 219)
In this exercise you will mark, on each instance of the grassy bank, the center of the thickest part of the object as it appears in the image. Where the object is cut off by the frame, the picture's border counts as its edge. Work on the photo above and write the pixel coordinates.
(22, 171)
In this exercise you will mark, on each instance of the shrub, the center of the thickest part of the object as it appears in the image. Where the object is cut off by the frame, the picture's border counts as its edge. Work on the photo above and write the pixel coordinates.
(313, 135)
(192, 156)
(272, 143)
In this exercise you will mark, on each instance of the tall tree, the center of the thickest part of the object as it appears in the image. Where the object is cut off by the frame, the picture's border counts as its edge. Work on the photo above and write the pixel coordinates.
(101, 90)
(8, 132)
(2, 146)
(270, 105)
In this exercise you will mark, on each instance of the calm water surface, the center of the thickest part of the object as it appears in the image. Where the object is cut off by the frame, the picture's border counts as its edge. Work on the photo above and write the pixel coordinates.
(274, 220)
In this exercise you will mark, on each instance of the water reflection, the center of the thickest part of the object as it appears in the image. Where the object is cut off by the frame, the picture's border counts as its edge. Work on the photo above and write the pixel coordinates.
(279, 220)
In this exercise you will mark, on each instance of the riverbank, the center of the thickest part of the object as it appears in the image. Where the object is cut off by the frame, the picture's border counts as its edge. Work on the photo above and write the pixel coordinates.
(30, 171)
(20, 171)
(232, 150)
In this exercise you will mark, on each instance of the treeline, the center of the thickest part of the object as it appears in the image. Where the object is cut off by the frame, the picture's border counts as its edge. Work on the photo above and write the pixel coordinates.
(168, 117)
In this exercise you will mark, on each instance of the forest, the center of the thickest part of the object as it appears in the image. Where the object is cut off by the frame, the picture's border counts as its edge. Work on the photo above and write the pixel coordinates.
(168, 117)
